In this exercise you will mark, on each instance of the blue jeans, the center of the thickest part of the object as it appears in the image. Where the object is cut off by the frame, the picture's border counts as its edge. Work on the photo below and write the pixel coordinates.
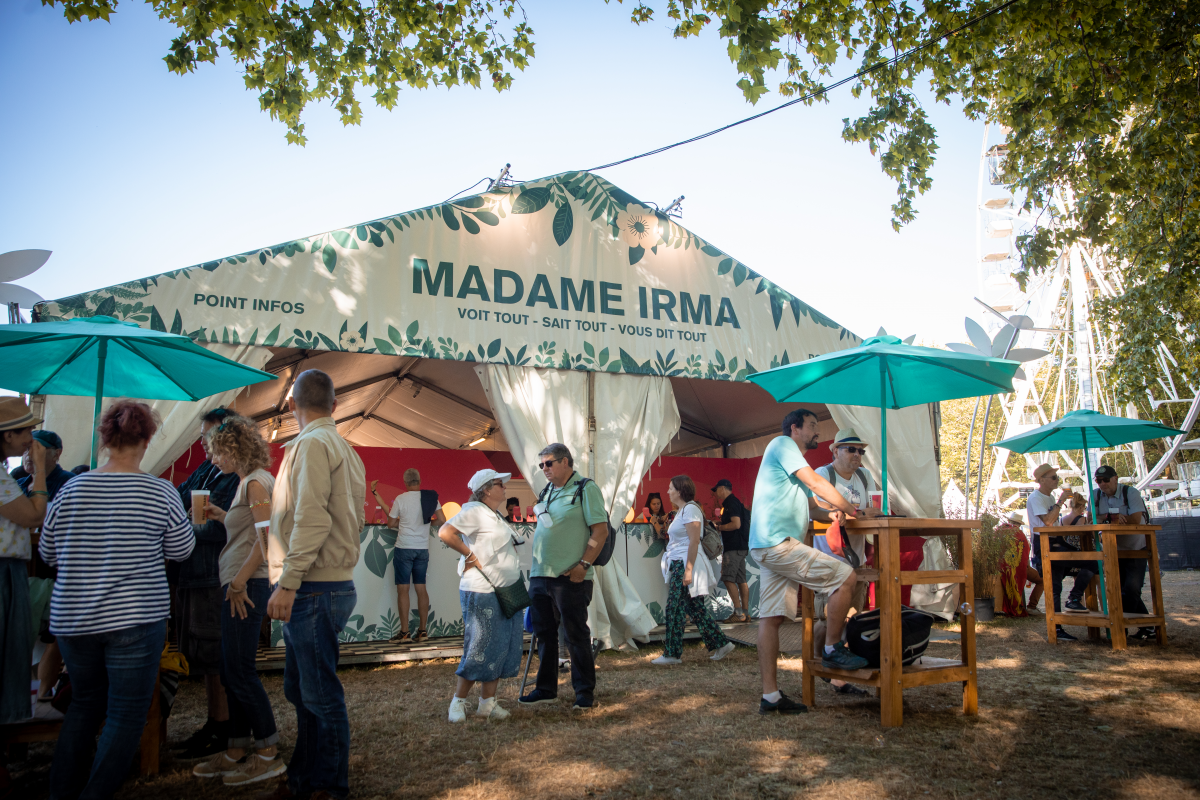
(412, 565)
(16, 640)
(251, 720)
(112, 682)
(554, 601)
(321, 759)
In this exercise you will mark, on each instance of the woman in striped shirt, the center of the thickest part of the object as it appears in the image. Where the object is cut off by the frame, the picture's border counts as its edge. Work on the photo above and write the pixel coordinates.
(108, 532)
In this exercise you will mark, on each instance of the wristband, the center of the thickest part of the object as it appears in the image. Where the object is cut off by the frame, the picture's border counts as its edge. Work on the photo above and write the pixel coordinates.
(585, 564)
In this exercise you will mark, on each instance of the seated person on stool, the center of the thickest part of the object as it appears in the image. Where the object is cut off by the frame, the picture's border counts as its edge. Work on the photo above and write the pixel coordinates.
(1123, 505)
(854, 483)
(1043, 511)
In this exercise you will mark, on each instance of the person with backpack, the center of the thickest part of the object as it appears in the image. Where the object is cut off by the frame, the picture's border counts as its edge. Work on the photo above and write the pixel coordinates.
(690, 577)
(1118, 504)
(734, 525)
(572, 528)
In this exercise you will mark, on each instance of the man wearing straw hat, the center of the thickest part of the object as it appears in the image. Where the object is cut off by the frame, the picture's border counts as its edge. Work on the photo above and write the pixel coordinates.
(18, 513)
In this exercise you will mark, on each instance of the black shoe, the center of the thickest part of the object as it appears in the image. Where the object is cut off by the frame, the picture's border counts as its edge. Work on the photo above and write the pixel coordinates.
(786, 705)
(203, 734)
(1075, 607)
(538, 698)
(1063, 636)
(842, 658)
(582, 703)
(213, 738)
(1143, 635)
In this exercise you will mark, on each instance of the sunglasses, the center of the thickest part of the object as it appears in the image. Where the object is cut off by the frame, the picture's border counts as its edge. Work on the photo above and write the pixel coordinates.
(862, 451)
(548, 464)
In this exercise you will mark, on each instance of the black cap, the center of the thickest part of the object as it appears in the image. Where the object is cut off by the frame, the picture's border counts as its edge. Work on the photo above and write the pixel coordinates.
(1105, 472)
(49, 439)
(723, 482)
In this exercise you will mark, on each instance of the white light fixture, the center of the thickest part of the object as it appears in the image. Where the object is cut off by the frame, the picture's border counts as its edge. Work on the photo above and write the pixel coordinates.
(477, 441)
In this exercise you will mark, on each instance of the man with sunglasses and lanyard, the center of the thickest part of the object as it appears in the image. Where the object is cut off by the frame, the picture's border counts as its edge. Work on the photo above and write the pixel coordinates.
(572, 525)
(199, 596)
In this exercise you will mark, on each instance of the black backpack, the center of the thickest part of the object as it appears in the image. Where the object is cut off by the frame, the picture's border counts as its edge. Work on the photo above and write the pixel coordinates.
(862, 635)
(1125, 500)
(610, 542)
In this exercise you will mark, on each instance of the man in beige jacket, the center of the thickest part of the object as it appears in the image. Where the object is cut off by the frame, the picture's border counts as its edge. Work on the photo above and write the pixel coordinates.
(316, 515)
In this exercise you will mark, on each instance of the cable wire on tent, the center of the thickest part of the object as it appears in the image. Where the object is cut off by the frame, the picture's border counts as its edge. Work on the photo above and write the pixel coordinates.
(818, 92)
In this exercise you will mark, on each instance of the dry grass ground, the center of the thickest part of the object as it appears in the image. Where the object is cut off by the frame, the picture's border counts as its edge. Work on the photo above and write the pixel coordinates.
(1055, 722)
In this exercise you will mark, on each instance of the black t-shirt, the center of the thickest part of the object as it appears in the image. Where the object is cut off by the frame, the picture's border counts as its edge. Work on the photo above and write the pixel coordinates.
(739, 539)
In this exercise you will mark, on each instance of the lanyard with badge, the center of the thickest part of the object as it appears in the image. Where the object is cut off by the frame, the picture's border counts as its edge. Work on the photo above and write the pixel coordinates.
(542, 509)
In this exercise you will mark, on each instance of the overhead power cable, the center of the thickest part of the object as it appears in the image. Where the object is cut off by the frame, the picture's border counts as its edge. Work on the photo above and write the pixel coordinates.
(818, 92)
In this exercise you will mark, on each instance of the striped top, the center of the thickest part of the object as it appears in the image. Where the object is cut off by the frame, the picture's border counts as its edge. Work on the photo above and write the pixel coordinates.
(109, 533)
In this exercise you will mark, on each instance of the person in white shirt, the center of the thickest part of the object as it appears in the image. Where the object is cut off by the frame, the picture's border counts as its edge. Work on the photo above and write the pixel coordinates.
(410, 516)
(1043, 510)
(689, 576)
(491, 641)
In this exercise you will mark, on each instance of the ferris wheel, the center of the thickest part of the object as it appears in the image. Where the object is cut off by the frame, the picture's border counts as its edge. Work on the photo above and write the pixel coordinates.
(1051, 325)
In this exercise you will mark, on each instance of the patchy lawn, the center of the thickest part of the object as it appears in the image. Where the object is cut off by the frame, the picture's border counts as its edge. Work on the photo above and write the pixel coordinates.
(1055, 722)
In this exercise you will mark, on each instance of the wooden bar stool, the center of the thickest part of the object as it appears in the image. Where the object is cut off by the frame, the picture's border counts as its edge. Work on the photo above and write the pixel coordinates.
(892, 677)
(1116, 619)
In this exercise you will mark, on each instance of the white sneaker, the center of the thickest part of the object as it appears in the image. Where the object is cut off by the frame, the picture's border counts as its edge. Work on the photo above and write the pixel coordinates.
(666, 660)
(458, 710)
(723, 651)
(490, 709)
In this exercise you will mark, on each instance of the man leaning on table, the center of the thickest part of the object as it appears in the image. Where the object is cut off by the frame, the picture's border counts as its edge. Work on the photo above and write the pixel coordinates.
(1043, 510)
(316, 516)
(1123, 505)
(780, 520)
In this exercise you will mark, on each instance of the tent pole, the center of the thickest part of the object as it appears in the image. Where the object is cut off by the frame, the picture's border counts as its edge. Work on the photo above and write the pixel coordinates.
(102, 354)
(883, 427)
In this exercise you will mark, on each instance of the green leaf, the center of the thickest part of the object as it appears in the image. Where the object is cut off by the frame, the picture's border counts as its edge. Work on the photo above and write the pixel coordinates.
(493, 349)
(471, 225)
(177, 323)
(629, 363)
(106, 307)
(532, 200)
(332, 345)
(591, 351)
(655, 549)
(411, 333)
(329, 257)
(156, 322)
(724, 266)
(395, 336)
(376, 557)
(470, 202)
(272, 337)
(603, 358)
(487, 218)
(635, 254)
(739, 274)
(449, 218)
(564, 221)
(613, 367)
(709, 250)
(385, 347)
(341, 237)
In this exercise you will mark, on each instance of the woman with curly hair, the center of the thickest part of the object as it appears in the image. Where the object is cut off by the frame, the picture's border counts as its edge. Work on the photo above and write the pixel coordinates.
(236, 446)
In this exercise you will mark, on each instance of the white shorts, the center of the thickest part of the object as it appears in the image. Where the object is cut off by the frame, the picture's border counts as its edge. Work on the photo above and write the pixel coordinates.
(785, 567)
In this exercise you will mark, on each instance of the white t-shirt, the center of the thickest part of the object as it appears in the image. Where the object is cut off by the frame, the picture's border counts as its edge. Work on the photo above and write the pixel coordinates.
(1036, 506)
(14, 540)
(491, 540)
(413, 530)
(677, 536)
(856, 495)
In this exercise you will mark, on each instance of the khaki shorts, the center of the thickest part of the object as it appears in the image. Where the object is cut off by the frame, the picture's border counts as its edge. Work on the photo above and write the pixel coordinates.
(787, 565)
(858, 600)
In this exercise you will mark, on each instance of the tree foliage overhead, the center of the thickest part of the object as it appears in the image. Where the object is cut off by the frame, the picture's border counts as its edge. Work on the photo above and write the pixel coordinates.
(1102, 98)
(298, 51)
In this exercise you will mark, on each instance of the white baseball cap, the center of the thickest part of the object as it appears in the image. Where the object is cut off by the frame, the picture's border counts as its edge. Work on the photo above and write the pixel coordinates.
(485, 475)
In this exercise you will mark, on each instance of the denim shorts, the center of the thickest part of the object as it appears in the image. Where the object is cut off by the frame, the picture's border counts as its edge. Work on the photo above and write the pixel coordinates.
(411, 565)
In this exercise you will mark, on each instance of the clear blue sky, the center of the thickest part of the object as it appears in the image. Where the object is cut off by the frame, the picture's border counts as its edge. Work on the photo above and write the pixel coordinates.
(126, 170)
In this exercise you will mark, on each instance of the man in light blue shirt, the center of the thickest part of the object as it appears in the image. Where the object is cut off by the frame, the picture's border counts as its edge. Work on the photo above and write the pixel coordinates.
(782, 497)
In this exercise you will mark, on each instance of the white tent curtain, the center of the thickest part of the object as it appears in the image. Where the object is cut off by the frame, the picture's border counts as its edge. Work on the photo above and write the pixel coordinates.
(71, 417)
(914, 484)
(636, 417)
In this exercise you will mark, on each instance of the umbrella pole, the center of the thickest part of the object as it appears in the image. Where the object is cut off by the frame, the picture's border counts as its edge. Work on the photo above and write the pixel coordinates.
(102, 354)
(883, 427)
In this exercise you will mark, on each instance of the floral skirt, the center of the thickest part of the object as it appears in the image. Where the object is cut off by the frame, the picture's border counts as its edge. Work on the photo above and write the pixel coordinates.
(491, 643)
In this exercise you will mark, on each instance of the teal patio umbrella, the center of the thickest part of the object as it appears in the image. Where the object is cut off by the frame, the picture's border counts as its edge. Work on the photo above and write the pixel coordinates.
(884, 372)
(1085, 428)
(102, 356)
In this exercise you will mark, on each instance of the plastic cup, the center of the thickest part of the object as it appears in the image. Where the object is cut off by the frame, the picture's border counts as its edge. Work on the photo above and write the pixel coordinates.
(199, 501)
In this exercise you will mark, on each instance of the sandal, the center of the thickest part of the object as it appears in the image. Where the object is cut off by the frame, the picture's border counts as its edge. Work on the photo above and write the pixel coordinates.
(421, 636)
(402, 637)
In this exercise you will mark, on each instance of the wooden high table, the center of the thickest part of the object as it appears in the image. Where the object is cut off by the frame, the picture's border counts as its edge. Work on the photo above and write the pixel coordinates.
(892, 677)
(1116, 619)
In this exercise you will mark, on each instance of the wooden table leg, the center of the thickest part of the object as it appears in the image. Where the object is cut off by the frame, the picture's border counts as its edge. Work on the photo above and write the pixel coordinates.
(1047, 587)
(808, 649)
(967, 626)
(1156, 587)
(1112, 591)
(150, 734)
(891, 695)
(1091, 596)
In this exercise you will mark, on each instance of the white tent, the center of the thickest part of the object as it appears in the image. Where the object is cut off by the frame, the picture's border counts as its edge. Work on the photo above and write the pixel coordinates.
(586, 314)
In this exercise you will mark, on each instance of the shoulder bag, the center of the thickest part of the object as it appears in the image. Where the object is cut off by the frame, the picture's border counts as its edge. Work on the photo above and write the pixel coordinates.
(512, 598)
